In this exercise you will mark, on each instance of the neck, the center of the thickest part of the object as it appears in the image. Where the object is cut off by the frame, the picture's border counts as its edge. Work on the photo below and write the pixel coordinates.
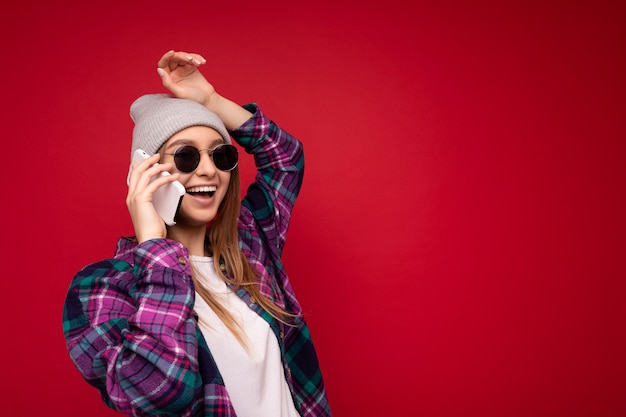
(192, 238)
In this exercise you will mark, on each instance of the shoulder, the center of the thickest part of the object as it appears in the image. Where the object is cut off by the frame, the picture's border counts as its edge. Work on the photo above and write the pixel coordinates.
(108, 278)
(106, 275)
(121, 262)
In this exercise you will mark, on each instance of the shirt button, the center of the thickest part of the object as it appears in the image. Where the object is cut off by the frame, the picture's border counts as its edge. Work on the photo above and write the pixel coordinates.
(222, 267)
(182, 260)
(252, 300)
(282, 335)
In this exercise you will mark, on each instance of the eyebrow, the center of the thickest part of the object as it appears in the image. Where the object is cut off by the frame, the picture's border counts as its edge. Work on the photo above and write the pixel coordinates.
(183, 141)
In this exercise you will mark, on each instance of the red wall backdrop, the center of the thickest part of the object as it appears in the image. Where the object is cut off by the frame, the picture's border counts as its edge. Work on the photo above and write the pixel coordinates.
(459, 240)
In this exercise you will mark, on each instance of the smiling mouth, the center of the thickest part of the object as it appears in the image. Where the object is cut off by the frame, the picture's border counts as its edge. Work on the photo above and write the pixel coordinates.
(208, 191)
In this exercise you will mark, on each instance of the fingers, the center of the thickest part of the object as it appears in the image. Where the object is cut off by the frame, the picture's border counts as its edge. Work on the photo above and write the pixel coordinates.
(180, 74)
(195, 59)
(165, 59)
(173, 67)
(173, 59)
(139, 167)
(147, 177)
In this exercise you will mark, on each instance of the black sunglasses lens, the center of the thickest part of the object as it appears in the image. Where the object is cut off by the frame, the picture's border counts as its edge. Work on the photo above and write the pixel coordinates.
(225, 157)
(186, 159)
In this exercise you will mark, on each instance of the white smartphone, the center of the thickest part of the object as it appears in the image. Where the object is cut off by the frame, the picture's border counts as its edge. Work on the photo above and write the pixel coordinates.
(166, 199)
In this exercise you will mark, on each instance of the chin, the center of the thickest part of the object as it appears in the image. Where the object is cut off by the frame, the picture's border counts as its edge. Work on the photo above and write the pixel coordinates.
(195, 221)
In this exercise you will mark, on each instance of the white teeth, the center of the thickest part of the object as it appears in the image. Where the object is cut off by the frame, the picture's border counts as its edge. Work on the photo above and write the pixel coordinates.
(209, 189)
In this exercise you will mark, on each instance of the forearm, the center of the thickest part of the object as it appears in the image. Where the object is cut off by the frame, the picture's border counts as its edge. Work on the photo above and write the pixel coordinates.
(232, 114)
(135, 331)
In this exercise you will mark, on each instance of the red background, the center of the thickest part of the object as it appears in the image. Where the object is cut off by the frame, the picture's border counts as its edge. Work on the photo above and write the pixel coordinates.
(459, 241)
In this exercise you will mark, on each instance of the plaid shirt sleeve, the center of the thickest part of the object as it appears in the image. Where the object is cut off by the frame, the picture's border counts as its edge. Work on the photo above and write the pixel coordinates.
(130, 331)
(279, 159)
(264, 220)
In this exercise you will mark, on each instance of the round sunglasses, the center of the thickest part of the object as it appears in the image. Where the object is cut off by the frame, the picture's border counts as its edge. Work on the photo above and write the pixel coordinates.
(187, 158)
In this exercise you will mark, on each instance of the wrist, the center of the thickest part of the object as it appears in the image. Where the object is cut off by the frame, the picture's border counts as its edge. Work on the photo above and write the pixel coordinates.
(231, 113)
(213, 102)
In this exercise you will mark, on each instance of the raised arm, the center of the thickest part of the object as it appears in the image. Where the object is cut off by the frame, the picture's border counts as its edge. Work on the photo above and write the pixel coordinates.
(180, 74)
(278, 155)
(279, 160)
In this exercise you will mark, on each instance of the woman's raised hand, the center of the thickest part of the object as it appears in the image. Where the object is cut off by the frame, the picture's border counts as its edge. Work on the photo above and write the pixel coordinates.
(179, 73)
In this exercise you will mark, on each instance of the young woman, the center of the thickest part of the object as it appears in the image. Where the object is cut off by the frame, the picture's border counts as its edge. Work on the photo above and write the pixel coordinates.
(199, 318)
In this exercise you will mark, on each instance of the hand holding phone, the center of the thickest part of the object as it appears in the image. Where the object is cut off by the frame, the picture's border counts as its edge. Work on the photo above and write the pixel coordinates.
(166, 199)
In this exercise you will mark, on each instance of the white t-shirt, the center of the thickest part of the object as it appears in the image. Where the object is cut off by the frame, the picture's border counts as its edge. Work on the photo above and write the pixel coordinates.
(254, 378)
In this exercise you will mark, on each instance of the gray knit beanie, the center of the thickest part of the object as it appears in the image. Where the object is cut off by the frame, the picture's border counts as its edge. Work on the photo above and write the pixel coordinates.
(159, 116)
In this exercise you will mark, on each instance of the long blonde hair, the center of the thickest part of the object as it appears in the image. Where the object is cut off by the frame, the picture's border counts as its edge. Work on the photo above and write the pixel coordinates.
(222, 240)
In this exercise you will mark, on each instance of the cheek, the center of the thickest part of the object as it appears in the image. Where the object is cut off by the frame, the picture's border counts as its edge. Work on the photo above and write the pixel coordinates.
(183, 178)
(224, 181)
(222, 190)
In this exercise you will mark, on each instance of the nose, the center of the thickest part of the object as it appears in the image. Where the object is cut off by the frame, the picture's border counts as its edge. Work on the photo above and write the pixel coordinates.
(206, 167)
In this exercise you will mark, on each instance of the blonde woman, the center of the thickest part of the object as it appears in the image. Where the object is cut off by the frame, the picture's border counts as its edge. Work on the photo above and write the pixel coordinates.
(198, 318)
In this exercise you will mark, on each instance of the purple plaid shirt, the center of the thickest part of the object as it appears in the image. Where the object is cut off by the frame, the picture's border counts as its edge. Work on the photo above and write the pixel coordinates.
(129, 321)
